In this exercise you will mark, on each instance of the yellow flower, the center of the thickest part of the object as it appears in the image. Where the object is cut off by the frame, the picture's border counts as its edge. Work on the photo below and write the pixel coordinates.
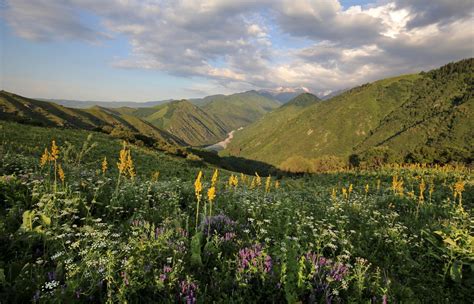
(267, 184)
(334, 194)
(198, 186)
(350, 188)
(130, 168)
(211, 193)
(253, 183)
(44, 158)
(214, 178)
(459, 186)
(54, 151)
(62, 177)
(422, 187)
(258, 180)
(155, 176)
(122, 164)
(366, 188)
(233, 181)
(344, 192)
(277, 184)
(104, 165)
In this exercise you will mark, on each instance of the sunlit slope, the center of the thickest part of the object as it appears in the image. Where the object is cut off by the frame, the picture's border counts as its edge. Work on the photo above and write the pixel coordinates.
(185, 121)
(25, 110)
(241, 109)
(404, 113)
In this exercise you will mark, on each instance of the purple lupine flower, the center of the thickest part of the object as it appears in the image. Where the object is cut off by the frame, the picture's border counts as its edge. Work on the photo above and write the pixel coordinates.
(338, 272)
(218, 224)
(188, 291)
(255, 257)
(384, 299)
(159, 231)
(268, 263)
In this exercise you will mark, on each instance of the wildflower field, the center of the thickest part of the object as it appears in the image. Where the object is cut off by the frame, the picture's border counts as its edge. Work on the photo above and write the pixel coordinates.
(88, 219)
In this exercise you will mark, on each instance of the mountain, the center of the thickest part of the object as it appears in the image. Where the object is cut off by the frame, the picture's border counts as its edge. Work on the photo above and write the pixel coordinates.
(424, 117)
(82, 104)
(333, 94)
(283, 95)
(25, 110)
(184, 120)
(239, 110)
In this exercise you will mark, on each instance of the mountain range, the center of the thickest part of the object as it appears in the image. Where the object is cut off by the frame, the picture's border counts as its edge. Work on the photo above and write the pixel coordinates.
(424, 117)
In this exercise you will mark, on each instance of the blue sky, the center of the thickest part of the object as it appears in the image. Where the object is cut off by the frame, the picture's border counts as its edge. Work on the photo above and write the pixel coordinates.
(153, 50)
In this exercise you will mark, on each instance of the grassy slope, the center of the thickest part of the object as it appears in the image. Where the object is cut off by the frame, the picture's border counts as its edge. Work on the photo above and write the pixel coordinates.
(428, 114)
(325, 128)
(186, 121)
(241, 109)
(439, 116)
(21, 109)
(30, 141)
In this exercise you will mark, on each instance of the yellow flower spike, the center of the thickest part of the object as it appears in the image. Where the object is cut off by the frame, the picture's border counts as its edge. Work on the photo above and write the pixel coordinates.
(334, 194)
(258, 180)
(211, 194)
(350, 188)
(277, 184)
(104, 165)
(253, 183)
(155, 176)
(54, 151)
(198, 185)
(458, 190)
(366, 188)
(268, 184)
(197, 191)
(44, 158)
(130, 167)
(122, 163)
(62, 177)
(422, 187)
(344, 192)
(214, 178)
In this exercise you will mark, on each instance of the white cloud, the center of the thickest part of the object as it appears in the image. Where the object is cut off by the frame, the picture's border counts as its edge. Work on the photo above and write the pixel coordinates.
(237, 44)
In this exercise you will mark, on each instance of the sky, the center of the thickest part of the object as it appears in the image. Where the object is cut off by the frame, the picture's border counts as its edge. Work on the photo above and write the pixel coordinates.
(143, 50)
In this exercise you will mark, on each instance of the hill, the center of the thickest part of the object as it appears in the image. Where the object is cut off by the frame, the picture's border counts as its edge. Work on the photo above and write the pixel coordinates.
(185, 121)
(42, 113)
(283, 95)
(426, 117)
(241, 109)
(84, 104)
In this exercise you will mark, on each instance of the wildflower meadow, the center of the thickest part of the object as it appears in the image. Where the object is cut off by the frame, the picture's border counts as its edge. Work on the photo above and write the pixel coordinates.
(86, 220)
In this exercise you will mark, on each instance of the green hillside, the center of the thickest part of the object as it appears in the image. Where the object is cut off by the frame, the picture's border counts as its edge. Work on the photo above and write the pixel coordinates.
(185, 121)
(241, 109)
(398, 114)
(42, 113)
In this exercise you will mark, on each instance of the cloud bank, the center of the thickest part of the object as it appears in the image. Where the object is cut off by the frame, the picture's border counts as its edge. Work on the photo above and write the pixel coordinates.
(262, 44)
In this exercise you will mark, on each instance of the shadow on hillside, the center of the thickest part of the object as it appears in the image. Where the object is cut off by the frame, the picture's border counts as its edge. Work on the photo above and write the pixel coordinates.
(239, 164)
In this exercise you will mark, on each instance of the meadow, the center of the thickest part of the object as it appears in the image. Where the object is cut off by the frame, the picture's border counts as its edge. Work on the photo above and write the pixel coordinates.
(85, 218)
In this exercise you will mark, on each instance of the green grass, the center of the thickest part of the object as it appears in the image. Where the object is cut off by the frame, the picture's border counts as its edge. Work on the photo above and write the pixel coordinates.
(186, 121)
(28, 143)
